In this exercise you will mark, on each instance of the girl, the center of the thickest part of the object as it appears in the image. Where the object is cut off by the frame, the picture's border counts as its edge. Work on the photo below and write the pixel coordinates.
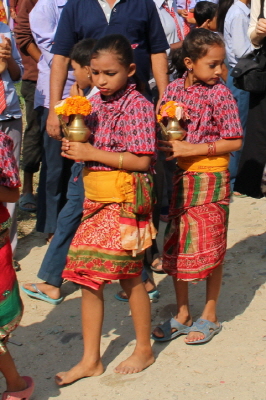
(21, 387)
(195, 238)
(116, 227)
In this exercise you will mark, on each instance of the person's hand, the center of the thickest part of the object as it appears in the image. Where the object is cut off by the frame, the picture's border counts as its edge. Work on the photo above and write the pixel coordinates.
(175, 148)
(75, 90)
(13, 14)
(5, 48)
(77, 150)
(260, 29)
(183, 13)
(53, 126)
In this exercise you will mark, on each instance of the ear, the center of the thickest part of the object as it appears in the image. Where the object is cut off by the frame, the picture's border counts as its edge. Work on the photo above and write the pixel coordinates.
(188, 63)
(131, 70)
(87, 68)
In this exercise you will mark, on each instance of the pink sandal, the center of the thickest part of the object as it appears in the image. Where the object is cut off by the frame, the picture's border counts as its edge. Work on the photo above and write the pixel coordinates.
(23, 394)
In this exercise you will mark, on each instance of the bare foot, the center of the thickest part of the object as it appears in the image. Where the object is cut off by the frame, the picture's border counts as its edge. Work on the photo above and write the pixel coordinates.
(79, 371)
(17, 386)
(49, 290)
(135, 363)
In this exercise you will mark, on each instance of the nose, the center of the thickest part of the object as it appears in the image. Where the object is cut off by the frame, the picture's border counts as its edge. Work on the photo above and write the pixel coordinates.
(101, 80)
(218, 70)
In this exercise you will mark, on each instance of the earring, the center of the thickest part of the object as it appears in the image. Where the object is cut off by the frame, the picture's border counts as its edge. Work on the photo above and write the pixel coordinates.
(190, 69)
(89, 76)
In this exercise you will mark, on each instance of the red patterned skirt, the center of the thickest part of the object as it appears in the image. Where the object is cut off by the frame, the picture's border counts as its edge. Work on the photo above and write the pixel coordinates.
(196, 235)
(96, 252)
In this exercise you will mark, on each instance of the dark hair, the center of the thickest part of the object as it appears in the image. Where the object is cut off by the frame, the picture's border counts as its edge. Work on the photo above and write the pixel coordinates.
(223, 7)
(81, 52)
(121, 47)
(204, 10)
(195, 46)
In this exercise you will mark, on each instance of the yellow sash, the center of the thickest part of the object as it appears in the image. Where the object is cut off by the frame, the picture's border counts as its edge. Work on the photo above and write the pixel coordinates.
(204, 164)
(108, 186)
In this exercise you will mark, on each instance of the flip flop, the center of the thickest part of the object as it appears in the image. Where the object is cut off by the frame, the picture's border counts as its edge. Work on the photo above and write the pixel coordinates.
(27, 198)
(167, 330)
(41, 296)
(208, 328)
(155, 264)
(153, 295)
(23, 394)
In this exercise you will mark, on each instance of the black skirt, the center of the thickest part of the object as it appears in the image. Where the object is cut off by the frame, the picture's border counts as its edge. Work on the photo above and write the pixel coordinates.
(253, 157)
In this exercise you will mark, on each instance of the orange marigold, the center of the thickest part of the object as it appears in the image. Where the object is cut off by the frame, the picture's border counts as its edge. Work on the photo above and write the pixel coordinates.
(74, 105)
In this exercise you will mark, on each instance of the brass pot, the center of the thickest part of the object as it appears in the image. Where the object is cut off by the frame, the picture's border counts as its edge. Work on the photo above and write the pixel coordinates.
(173, 130)
(75, 130)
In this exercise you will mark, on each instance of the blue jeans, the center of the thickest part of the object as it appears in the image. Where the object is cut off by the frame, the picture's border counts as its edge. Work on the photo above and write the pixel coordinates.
(242, 99)
(67, 223)
(54, 177)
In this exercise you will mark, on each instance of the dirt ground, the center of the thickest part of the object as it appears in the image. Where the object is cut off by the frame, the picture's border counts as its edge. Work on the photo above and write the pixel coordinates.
(231, 366)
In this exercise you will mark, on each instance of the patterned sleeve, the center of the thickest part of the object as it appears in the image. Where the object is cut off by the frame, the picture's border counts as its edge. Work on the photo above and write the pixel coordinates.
(9, 174)
(225, 113)
(140, 128)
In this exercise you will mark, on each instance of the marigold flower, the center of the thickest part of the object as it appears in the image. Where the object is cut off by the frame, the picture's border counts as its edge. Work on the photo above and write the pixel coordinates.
(74, 105)
(172, 109)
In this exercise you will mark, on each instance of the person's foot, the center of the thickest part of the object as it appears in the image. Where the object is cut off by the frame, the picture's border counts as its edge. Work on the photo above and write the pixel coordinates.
(49, 238)
(139, 361)
(158, 332)
(17, 386)
(27, 202)
(52, 291)
(149, 286)
(157, 265)
(196, 336)
(79, 371)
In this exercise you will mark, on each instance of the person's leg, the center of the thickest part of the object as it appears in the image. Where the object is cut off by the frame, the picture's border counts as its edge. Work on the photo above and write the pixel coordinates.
(213, 286)
(142, 356)
(14, 382)
(68, 221)
(92, 320)
(32, 142)
(13, 128)
(183, 315)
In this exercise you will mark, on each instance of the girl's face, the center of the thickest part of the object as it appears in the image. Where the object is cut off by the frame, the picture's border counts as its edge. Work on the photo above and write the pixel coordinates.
(207, 69)
(82, 75)
(108, 74)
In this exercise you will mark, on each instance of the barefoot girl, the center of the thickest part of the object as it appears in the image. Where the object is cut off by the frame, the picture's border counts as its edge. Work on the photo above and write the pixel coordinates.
(195, 238)
(116, 226)
(21, 387)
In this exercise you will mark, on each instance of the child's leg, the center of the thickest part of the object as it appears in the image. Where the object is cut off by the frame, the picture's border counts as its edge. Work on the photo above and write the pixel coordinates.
(183, 313)
(213, 286)
(92, 319)
(14, 382)
(142, 356)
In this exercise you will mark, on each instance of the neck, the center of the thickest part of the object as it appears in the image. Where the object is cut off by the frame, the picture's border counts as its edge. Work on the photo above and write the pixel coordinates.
(247, 2)
(111, 2)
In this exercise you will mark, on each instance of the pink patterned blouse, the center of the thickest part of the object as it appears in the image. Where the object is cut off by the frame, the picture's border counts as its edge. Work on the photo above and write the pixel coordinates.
(212, 109)
(9, 174)
(124, 122)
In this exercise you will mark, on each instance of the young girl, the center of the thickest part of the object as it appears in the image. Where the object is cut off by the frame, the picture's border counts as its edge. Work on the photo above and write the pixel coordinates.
(195, 238)
(21, 387)
(116, 227)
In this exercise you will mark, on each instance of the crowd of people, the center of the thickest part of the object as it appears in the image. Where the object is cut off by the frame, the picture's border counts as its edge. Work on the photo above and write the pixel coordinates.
(134, 60)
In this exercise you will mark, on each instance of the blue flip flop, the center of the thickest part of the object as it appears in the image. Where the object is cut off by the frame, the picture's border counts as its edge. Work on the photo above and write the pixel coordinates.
(153, 295)
(167, 327)
(208, 328)
(41, 296)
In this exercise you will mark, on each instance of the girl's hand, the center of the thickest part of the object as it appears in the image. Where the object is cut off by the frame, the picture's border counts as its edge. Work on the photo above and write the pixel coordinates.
(5, 48)
(183, 13)
(77, 150)
(260, 29)
(176, 148)
(75, 90)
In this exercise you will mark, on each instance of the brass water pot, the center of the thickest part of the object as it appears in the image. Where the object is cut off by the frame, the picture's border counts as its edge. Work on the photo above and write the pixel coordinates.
(173, 130)
(75, 130)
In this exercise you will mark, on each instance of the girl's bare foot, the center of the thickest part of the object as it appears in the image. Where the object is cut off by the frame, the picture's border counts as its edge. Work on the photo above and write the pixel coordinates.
(136, 363)
(79, 371)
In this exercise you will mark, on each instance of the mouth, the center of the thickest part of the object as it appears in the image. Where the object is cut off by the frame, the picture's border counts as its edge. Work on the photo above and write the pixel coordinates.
(103, 90)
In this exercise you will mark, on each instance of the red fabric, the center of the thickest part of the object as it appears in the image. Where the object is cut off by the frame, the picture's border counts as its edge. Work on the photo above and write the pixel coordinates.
(9, 174)
(2, 96)
(212, 110)
(173, 15)
(186, 24)
(126, 122)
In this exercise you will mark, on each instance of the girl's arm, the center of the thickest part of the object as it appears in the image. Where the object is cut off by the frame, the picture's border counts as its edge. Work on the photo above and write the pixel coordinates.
(86, 152)
(185, 149)
(9, 195)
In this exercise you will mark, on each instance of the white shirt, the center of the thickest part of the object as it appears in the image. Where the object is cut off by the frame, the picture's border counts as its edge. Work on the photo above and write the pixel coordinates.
(236, 38)
(254, 13)
(168, 22)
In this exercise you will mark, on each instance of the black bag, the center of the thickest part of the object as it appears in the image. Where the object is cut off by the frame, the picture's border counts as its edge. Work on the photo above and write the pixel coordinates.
(250, 72)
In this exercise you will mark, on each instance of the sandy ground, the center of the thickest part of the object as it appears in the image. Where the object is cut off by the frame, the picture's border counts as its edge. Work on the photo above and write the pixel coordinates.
(231, 366)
